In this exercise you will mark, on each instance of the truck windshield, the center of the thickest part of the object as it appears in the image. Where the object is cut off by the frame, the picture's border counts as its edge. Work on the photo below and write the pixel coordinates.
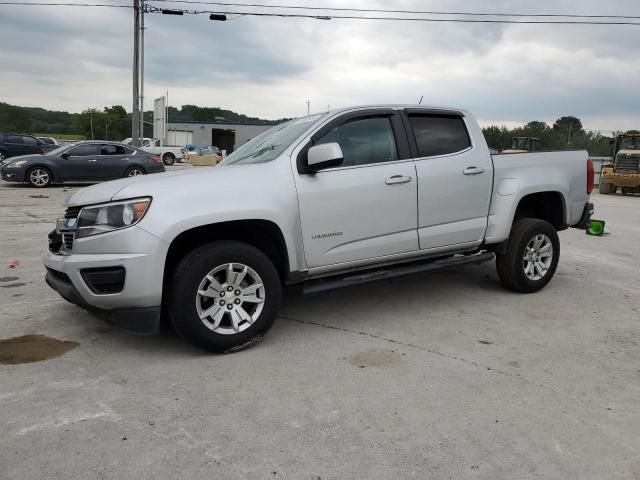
(268, 145)
(630, 143)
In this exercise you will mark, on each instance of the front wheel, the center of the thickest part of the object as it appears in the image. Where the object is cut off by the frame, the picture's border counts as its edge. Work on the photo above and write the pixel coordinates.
(224, 296)
(531, 258)
(169, 158)
(39, 177)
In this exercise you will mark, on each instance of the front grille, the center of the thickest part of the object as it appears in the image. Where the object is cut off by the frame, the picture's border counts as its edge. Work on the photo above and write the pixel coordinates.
(62, 242)
(627, 164)
(67, 241)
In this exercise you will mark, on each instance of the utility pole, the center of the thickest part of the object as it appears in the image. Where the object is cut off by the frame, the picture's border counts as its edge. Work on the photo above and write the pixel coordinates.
(142, 73)
(135, 110)
(308, 102)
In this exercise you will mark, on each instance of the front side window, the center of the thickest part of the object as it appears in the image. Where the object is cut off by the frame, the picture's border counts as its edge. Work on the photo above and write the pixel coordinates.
(83, 150)
(439, 134)
(32, 142)
(364, 141)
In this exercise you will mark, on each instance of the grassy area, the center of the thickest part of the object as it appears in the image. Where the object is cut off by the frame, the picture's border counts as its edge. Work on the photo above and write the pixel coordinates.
(61, 136)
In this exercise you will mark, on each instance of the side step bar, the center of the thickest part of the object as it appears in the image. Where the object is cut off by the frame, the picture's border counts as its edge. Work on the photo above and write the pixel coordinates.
(317, 286)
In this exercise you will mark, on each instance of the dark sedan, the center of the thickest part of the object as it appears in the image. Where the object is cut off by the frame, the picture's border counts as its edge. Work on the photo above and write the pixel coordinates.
(91, 161)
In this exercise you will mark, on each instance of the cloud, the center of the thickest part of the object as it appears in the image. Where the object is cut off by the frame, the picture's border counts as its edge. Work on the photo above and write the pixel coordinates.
(74, 58)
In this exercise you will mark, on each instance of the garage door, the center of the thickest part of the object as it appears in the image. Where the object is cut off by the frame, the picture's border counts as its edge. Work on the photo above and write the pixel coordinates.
(179, 137)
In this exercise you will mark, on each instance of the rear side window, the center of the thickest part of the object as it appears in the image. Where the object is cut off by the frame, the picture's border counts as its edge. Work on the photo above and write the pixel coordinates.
(14, 139)
(439, 134)
(109, 149)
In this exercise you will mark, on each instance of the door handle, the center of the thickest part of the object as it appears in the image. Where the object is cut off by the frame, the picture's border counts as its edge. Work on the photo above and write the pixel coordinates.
(397, 179)
(473, 170)
(93, 160)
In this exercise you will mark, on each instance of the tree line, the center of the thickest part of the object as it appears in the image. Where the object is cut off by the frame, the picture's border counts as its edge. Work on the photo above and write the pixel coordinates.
(111, 123)
(567, 133)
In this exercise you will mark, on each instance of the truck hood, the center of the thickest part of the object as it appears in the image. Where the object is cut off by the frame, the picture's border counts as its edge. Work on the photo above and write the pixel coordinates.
(166, 184)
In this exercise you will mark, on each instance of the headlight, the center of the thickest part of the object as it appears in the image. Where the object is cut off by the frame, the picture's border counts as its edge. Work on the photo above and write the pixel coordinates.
(17, 164)
(110, 216)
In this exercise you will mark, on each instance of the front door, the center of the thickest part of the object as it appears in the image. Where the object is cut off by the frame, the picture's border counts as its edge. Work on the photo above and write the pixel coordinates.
(79, 163)
(365, 208)
(454, 180)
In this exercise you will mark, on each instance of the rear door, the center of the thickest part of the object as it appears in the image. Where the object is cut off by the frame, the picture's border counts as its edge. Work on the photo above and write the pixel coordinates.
(365, 208)
(31, 145)
(79, 163)
(112, 161)
(454, 179)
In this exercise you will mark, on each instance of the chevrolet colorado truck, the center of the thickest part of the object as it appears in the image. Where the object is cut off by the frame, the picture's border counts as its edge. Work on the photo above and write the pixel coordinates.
(350, 196)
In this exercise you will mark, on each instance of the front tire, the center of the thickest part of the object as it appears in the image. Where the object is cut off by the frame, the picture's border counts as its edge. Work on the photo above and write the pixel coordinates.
(224, 296)
(169, 159)
(531, 258)
(39, 177)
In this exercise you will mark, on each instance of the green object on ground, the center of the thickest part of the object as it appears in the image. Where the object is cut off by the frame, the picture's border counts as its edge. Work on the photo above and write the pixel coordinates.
(596, 228)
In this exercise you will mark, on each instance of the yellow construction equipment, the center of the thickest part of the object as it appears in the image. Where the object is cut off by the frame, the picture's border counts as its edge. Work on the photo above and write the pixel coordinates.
(523, 145)
(624, 172)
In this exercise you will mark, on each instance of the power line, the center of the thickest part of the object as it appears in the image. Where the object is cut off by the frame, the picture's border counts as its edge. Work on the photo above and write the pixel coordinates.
(416, 12)
(50, 4)
(153, 9)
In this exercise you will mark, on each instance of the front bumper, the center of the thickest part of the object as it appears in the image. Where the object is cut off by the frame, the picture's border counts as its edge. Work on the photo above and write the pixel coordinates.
(135, 306)
(585, 220)
(143, 321)
(12, 174)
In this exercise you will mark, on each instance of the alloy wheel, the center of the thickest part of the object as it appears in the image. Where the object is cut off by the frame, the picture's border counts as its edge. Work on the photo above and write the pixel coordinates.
(538, 256)
(230, 298)
(39, 177)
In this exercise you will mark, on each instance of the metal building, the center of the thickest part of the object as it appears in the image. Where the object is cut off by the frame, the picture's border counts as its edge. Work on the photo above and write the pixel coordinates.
(224, 135)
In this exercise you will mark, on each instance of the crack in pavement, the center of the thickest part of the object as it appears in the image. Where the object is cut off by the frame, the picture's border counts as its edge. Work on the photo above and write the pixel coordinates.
(406, 344)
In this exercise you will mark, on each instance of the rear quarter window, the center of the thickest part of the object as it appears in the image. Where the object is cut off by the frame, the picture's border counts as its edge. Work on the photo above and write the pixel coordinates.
(439, 134)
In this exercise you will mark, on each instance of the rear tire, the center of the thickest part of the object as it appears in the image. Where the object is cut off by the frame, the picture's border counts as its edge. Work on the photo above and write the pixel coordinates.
(169, 158)
(531, 258)
(134, 172)
(607, 188)
(224, 296)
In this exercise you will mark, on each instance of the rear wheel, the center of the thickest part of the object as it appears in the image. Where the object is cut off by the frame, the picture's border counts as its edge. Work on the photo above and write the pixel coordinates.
(607, 188)
(224, 296)
(39, 177)
(169, 158)
(3, 156)
(531, 259)
(134, 172)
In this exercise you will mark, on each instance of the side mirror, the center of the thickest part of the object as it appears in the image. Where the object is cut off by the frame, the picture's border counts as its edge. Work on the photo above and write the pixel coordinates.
(64, 155)
(322, 156)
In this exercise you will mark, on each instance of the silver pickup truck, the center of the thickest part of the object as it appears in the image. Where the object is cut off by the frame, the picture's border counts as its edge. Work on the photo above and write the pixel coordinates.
(350, 196)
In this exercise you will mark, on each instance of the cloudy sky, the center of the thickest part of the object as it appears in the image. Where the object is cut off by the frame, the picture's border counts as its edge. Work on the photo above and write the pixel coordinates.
(70, 58)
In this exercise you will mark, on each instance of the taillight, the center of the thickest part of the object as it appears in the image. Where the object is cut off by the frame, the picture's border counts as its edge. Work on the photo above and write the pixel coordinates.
(157, 159)
(590, 175)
